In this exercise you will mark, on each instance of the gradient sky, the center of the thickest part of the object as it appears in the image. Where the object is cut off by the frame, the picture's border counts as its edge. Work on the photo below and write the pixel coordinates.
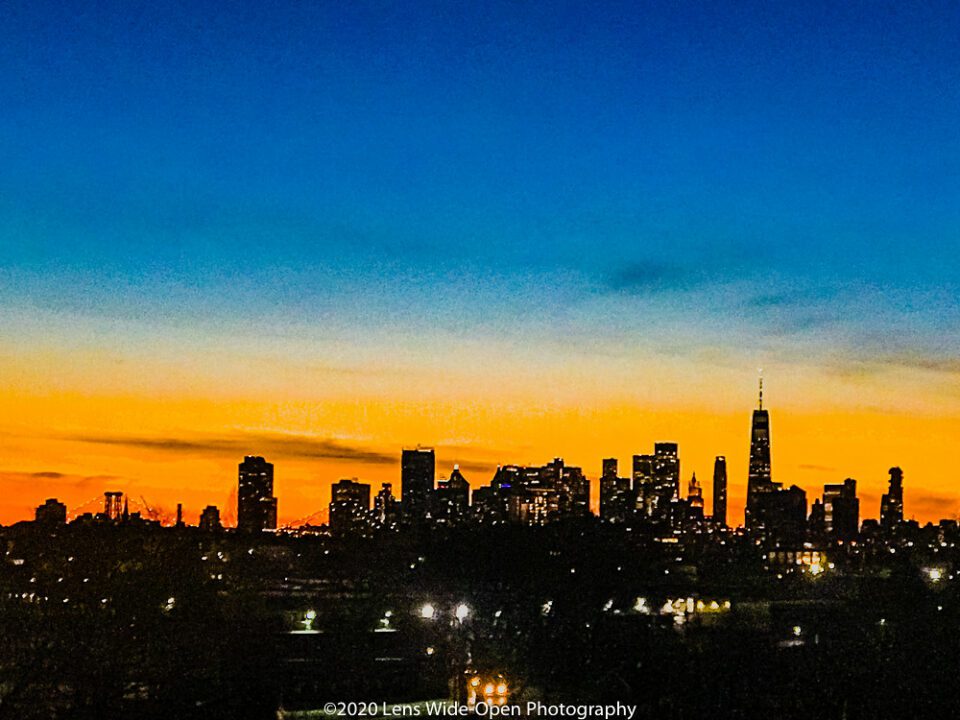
(324, 231)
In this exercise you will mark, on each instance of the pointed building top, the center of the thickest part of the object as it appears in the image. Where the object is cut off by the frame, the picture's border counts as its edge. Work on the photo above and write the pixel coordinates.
(761, 392)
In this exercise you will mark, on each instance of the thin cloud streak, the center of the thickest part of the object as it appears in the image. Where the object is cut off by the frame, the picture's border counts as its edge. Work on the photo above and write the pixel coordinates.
(303, 447)
(295, 446)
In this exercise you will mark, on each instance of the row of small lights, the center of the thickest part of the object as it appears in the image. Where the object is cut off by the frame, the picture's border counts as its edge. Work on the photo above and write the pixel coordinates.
(427, 611)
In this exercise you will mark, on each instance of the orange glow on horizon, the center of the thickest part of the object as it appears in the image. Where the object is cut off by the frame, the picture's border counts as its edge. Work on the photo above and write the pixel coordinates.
(164, 451)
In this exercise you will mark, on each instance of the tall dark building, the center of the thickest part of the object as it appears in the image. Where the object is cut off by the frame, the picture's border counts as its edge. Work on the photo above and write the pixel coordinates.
(666, 479)
(349, 506)
(782, 513)
(694, 500)
(452, 497)
(643, 484)
(385, 506)
(891, 504)
(720, 490)
(841, 510)
(572, 488)
(759, 480)
(417, 474)
(616, 498)
(256, 505)
(491, 504)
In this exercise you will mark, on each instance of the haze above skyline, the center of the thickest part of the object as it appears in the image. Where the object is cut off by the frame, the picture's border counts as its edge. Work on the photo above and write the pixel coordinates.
(320, 232)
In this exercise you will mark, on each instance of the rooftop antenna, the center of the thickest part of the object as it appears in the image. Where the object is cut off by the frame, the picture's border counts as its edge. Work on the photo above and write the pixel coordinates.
(760, 372)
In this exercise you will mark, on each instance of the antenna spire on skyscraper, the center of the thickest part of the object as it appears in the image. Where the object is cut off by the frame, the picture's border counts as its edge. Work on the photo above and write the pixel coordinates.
(761, 388)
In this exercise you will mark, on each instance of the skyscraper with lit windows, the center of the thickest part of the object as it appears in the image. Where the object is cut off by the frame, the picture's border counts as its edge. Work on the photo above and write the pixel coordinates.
(256, 505)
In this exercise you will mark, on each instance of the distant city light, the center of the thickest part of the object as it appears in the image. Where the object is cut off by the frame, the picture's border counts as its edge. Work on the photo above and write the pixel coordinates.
(427, 611)
(462, 612)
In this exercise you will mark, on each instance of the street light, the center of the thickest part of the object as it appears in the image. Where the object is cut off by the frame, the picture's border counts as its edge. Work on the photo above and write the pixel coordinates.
(462, 612)
(427, 611)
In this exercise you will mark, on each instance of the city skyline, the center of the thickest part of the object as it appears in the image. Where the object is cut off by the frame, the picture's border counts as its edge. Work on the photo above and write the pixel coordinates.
(320, 233)
(421, 479)
(446, 359)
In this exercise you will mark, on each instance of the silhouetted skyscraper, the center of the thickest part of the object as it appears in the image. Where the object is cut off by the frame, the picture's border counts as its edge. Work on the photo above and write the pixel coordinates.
(720, 490)
(666, 479)
(417, 474)
(643, 484)
(782, 513)
(349, 506)
(694, 500)
(891, 504)
(759, 480)
(572, 488)
(841, 510)
(452, 497)
(385, 506)
(616, 498)
(256, 505)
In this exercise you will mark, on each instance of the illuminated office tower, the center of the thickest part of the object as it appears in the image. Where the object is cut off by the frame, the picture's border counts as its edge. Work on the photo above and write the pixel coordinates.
(573, 490)
(349, 506)
(666, 479)
(643, 484)
(256, 505)
(417, 475)
(720, 490)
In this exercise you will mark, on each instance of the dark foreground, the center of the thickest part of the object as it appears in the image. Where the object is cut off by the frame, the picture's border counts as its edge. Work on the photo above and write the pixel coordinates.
(105, 622)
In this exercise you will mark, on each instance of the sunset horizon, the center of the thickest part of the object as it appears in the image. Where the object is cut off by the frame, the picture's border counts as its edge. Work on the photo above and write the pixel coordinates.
(429, 358)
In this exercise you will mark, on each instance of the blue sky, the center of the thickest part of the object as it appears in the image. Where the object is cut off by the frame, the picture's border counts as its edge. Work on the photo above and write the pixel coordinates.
(488, 165)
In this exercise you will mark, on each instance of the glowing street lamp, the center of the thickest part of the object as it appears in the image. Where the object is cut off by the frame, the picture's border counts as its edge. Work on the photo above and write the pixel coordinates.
(462, 612)
(427, 611)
